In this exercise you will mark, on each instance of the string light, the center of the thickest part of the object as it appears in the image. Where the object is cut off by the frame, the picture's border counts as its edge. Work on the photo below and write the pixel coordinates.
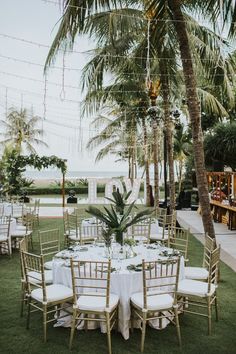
(91, 52)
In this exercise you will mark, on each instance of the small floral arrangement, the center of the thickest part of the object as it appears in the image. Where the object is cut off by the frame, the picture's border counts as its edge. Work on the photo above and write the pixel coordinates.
(129, 242)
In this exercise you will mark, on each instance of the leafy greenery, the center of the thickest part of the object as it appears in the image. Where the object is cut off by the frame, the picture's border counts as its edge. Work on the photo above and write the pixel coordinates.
(119, 200)
(220, 145)
(118, 223)
(14, 165)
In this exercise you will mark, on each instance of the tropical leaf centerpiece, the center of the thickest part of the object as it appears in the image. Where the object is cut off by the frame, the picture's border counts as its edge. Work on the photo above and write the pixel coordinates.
(118, 224)
(119, 200)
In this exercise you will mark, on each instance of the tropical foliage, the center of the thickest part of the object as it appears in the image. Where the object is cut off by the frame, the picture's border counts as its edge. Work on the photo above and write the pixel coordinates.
(21, 131)
(119, 223)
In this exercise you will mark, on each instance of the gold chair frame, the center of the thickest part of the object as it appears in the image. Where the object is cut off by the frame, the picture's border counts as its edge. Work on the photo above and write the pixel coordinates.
(88, 278)
(35, 263)
(49, 241)
(178, 239)
(186, 301)
(5, 232)
(159, 278)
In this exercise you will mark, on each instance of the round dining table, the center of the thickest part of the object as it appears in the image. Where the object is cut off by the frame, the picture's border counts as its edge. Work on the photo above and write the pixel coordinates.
(126, 276)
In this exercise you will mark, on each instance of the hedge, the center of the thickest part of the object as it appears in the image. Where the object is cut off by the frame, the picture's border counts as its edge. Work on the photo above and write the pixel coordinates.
(57, 190)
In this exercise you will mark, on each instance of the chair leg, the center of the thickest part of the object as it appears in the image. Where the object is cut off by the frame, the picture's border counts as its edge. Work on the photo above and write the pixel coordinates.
(177, 324)
(209, 314)
(132, 318)
(108, 332)
(22, 299)
(216, 308)
(44, 323)
(143, 331)
(72, 331)
(28, 313)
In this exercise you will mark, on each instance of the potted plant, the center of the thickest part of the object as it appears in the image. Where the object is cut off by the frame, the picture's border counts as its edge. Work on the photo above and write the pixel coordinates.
(120, 200)
(118, 224)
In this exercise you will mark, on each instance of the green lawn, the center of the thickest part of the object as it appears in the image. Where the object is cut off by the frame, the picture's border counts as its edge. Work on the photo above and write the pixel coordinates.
(14, 338)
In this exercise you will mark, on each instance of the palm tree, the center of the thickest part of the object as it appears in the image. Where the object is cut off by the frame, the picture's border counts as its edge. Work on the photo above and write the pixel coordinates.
(168, 15)
(21, 131)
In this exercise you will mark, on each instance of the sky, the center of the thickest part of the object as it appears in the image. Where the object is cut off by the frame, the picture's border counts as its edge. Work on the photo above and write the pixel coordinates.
(27, 29)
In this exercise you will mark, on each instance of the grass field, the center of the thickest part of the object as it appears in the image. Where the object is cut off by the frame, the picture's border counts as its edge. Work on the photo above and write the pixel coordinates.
(15, 339)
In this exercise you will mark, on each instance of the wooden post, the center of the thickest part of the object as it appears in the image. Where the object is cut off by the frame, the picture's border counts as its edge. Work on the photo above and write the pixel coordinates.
(63, 189)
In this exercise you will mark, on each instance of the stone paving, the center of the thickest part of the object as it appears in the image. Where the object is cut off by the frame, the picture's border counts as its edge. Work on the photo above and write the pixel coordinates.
(226, 238)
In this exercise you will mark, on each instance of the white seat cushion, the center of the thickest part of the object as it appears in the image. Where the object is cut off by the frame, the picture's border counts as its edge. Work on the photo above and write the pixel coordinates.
(48, 265)
(195, 287)
(96, 303)
(159, 237)
(36, 277)
(55, 292)
(3, 238)
(21, 228)
(154, 302)
(196, 273)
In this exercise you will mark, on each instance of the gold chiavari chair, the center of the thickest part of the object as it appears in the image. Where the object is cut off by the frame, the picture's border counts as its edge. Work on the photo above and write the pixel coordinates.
(158, 299)
(5, 237)
(36, 210)
(17, 211)
(91, 289)
(71, 228)
(195, 295)
(202, 273)
(89, 232)
(23, 245)
(178, 239)
(26, 231)
(49, 241)
(48, 299)
(159, 212)
(164, 223)
(141, 231)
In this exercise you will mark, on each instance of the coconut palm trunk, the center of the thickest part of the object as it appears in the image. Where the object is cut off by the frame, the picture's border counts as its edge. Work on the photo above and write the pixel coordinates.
(194, 112)
(168, 134)
(146, 162)
(155, 162)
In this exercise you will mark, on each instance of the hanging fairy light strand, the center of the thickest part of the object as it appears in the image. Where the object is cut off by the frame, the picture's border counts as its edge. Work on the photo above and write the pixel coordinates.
(148, 67)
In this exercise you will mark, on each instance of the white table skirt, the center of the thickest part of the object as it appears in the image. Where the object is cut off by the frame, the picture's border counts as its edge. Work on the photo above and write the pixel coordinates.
(123, 282)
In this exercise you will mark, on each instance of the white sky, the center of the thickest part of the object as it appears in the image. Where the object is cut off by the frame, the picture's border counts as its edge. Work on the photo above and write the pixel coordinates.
(34, 20)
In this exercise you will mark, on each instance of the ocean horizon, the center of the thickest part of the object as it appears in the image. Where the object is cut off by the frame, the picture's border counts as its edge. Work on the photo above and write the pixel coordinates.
(54, 174)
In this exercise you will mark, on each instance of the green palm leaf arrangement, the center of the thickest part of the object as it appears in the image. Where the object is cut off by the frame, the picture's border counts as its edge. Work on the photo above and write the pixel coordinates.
(120, 201)
(118, 224)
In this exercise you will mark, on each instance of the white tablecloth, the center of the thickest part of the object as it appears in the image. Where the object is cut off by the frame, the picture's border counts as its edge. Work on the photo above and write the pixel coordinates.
(124, 283)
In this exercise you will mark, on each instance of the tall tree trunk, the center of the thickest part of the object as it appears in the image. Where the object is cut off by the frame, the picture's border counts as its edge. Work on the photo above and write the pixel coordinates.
(155, 162)
(146, 162)
(168, 133)
(194, 112)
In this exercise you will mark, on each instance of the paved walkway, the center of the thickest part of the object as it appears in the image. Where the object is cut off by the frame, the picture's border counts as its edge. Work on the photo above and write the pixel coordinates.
(226, 238)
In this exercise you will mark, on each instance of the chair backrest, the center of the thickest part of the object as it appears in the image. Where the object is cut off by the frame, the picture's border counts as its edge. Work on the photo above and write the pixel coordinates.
(1, 209)
(89, 232)
(142, 230)
(159, 212)
(160, 277)
(36, 206)
(210, 245)
(34, 272)
(28, 221)
(214, 267)
(17, 210)
(49, 241)
(5, 226)
(90, 277)
(178, 239)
